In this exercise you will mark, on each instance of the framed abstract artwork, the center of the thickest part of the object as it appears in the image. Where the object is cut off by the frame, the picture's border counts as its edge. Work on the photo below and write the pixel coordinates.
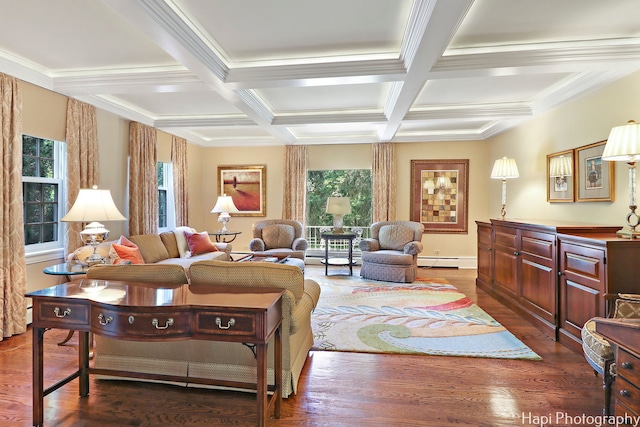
(594, 178)
(247, 186)
(560, 182)
(439, 195)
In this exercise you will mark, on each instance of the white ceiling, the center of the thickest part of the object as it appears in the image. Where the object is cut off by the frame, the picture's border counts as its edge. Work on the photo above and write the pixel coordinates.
(258, 72)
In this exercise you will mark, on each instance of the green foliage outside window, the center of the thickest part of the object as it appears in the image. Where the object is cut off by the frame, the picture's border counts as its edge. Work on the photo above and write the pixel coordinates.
(352, 183)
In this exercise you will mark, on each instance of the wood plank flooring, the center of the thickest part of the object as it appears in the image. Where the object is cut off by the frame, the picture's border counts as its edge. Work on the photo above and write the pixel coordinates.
(336, 389)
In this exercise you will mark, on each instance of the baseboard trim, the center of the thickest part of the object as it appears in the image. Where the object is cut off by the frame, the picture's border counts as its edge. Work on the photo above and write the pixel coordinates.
(463, 263)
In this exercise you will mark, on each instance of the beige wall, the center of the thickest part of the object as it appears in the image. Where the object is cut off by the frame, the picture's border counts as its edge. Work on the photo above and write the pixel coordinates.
(584, 121)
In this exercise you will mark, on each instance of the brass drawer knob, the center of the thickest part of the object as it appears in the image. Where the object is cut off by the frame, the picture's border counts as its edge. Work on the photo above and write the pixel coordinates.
(65, 313)
(627, 365)
(230, 323)
(168, 323)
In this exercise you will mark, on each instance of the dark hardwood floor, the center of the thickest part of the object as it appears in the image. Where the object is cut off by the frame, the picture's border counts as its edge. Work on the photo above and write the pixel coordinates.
(336, 389)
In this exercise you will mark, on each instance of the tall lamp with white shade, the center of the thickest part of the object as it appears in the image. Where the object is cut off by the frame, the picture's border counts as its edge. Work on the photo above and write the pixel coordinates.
(623, 145)
(91, 206)
(504, 169)
(224, 206)
(338, 207)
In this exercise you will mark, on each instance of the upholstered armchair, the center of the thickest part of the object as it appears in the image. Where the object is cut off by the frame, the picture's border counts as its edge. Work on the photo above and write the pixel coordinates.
(598, 351)
(391, 253)
(279, 237)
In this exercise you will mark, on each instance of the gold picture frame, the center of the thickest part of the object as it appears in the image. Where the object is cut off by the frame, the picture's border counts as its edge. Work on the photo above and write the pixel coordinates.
(560, 172)
(439, 195)
(247, 186)
(594, 178)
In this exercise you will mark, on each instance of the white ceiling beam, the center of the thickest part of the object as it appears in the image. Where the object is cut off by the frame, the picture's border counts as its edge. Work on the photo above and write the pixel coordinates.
(433, 24)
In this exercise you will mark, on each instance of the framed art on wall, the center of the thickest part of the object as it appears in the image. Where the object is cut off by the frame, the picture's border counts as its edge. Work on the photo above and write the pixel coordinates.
(594, 178)
(439, 194)
(247, 186)
(560, 182)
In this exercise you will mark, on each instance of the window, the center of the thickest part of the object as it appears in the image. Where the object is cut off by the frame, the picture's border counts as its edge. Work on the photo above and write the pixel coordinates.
(43, 165)
(166, 206)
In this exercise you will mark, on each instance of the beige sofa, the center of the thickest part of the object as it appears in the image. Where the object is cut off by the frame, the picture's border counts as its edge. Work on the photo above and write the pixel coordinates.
(163, 248)
(222, 360)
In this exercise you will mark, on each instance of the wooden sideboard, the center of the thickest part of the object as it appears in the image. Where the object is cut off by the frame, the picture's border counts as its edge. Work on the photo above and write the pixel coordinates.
(557, 276)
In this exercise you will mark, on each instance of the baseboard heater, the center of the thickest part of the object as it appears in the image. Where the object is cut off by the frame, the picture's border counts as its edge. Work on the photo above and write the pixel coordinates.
(448, 262)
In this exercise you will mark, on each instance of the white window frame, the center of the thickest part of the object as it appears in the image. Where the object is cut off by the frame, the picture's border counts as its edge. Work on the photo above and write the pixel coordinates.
(59, 168)
(167, 170)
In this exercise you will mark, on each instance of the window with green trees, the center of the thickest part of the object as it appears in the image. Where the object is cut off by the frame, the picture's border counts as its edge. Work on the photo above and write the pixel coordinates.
(352, 183)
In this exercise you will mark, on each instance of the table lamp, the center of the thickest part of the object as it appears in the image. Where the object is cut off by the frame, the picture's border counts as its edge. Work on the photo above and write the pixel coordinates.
(504, 169)
(223, 206)
(93, 205)
(338, 207)
(623, 145)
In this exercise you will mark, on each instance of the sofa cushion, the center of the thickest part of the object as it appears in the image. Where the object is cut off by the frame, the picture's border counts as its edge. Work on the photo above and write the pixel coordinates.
(128, 253)
(395, 237)
(199, 243)
(181, 239)
(169, 240)
(278, 236)
(151, 247)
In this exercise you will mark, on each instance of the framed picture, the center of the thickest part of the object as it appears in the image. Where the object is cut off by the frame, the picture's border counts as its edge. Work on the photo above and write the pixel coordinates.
(560, 182)
(594, 178)
(247, 186)
(439, 195)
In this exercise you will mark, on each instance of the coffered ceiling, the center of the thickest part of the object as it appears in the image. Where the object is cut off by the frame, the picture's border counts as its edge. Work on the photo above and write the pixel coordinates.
(274, 72)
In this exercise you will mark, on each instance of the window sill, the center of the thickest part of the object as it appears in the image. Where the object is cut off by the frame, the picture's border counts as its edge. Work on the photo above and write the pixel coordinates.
(43, 256)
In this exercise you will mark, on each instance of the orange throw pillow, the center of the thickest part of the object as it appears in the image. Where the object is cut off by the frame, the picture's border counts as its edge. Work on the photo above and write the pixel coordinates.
(199, 243)
(128, 253)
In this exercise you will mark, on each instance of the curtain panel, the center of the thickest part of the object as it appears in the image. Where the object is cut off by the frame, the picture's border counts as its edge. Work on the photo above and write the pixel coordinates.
(383, 171)
(82, 161)
(143, 180)
(180, 187)
(294, 198)
(13, 273)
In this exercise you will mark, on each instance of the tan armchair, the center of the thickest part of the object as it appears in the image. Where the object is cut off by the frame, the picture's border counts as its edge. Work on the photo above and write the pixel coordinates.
(598, 351)
(391, 253)
(279, 237)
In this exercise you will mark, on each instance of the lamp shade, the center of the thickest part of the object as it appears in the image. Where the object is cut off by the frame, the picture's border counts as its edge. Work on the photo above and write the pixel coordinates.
(224, 204)
(623, 143)
(505, 168)
(560, 166)
(93, 205)
(339, 205)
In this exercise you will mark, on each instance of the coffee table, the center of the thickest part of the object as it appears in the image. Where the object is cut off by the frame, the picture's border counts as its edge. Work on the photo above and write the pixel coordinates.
(131, 311)
(279, 259)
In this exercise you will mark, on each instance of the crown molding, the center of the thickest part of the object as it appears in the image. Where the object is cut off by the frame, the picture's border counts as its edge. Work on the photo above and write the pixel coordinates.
(474, 111)
(204, 121)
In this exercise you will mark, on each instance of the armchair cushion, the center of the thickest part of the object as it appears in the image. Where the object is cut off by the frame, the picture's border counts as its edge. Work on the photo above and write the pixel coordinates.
(278, 236)
(395, 237)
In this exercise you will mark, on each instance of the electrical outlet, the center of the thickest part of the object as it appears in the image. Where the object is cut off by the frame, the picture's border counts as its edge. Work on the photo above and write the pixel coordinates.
(436, 251)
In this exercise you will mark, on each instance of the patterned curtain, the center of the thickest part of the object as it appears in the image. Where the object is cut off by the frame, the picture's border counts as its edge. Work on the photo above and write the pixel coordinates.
(180, 187)
(82, 160)
(383, 170)
(143, 180)
(13, 273)
(294, 200)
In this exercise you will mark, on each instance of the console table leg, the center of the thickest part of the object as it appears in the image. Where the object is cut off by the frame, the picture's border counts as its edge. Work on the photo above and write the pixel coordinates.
(83, 363)
(261, 385)
(38, 383)
(278, 371)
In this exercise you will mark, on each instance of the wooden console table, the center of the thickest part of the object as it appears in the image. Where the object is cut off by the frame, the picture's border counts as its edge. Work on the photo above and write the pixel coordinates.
(146, 312)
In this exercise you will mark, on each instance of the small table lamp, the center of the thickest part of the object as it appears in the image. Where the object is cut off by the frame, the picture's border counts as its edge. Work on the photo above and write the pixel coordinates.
(504, 169)
(93, 205)
(223, 206)
(623, 145)
(339, 207)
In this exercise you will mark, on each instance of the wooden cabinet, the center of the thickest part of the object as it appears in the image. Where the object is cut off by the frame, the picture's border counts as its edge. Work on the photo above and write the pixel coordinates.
(556, 276)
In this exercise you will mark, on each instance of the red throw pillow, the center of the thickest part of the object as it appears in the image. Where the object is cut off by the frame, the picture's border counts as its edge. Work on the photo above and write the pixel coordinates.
(199, 243)
(128, 253)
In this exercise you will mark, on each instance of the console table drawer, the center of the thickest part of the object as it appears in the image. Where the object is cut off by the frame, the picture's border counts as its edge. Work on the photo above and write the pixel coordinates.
(628, 367)
(134, 325)
(65, 315)
(627, 394)
(221, 323)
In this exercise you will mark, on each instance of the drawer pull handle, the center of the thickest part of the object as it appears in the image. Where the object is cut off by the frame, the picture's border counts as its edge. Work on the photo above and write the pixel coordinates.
(627, 365)
(230, 323)
(169, 322)
(65, 313)
(625, 393)
(104, 321)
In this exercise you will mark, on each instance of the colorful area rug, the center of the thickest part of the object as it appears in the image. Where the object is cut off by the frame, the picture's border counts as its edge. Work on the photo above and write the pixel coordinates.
(429, 316)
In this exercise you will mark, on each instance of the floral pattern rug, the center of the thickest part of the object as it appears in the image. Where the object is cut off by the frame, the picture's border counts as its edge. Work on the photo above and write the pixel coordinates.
(428, 316)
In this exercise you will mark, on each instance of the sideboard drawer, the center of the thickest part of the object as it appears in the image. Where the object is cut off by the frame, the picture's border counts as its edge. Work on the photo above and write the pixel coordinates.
(221, 323)
(63, 314)
(627, 394)
(126, 325)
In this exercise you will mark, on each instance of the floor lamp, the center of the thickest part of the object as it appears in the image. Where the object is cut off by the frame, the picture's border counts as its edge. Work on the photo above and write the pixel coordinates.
(504, 169)
(623, 145)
